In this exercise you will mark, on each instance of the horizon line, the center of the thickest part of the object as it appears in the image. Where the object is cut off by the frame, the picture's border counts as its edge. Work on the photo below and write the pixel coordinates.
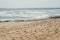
(25, 8)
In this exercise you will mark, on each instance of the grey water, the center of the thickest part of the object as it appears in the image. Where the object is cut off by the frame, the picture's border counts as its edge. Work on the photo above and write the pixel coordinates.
(27, 13)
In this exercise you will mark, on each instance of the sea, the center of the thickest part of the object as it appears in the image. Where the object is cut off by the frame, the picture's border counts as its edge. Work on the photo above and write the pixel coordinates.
(11, 14)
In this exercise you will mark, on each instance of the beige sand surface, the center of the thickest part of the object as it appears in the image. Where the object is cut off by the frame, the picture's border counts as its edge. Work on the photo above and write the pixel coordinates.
(33, 30)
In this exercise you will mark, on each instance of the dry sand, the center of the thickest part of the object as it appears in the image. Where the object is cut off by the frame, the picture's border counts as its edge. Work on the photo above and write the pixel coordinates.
(33, 30)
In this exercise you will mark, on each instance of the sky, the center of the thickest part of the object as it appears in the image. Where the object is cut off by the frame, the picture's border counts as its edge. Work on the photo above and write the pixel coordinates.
(29, 3)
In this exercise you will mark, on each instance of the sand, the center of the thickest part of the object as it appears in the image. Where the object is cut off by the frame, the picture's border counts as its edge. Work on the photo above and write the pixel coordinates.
(48, 29)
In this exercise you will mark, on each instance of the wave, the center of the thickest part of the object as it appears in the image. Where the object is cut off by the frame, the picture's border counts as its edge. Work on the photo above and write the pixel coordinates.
(13, 15)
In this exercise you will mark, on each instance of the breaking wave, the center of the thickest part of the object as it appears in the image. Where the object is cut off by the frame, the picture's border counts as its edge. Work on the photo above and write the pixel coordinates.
(13, 15)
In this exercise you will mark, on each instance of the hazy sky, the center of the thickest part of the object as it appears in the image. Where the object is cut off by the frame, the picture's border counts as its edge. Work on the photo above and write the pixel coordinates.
(29, 3)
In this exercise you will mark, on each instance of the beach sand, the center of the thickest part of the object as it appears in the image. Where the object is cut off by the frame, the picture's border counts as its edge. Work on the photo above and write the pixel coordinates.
(48, 29)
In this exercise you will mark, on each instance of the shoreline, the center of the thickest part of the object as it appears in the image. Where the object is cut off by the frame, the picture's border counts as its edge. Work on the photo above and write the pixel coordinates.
(54, 17)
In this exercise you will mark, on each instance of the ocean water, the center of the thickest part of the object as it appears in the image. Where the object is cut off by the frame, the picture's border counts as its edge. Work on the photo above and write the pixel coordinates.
(28, 14)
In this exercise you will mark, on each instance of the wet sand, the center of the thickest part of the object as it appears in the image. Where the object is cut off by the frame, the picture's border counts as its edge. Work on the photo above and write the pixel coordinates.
(48, 29)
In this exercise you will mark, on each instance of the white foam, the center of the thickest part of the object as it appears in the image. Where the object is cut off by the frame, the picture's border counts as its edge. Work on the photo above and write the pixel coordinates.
(42, 17)
(28, 14)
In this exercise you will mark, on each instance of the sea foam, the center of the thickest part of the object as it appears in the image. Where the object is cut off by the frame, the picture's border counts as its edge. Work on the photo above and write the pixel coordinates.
(12, 15)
